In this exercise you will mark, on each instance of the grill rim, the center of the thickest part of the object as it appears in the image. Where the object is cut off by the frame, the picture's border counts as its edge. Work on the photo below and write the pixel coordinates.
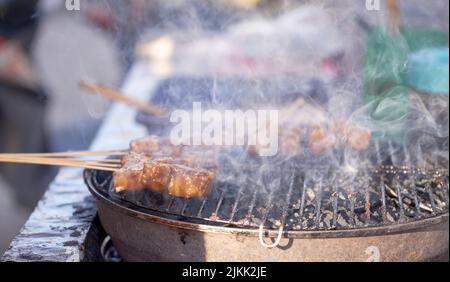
(133, 210)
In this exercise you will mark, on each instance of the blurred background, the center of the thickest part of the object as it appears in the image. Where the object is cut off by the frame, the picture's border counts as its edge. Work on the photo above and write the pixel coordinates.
(45, 49)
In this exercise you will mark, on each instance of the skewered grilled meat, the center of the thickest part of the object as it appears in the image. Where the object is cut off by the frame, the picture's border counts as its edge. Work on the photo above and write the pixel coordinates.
(302, 123)
(156, 175)
(157, 164)
(162, 175)
(155, 147)
(188, 171)
(192, 156)
(129, 176)
(290, 141)
(188, 182)
(320, 140)
(359, 138)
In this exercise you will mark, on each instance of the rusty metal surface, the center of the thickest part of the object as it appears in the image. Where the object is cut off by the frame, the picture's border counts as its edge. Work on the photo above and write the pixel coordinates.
(141, 236)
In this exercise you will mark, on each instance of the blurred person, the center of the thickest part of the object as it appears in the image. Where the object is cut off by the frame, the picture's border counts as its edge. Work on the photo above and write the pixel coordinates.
(22, 101)
(67, 49)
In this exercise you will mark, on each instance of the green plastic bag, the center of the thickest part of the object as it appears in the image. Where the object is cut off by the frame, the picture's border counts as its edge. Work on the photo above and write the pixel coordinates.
(385, 68)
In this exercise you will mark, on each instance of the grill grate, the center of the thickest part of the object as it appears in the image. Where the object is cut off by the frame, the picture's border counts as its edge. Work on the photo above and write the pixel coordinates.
(394, 186)
(310, 200)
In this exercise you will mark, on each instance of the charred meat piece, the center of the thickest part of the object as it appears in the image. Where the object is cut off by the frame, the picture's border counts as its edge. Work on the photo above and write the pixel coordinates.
(156, 175)
(163, 175)
(155, 147)
(320, 140)
(290, 141)
(146, 145)
(339, 129)
(129, 176)
(189, 183)
(192, 156)
(358, 138)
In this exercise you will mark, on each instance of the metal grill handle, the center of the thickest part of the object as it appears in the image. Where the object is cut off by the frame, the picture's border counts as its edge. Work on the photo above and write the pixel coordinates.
(277, 241)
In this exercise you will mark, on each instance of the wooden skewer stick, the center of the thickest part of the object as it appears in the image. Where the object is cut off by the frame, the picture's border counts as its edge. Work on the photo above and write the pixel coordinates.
(66, 165)
(73, 159)
(105, 161)
(60, 162)
(108, 162)
(116, 96)
(69, 154)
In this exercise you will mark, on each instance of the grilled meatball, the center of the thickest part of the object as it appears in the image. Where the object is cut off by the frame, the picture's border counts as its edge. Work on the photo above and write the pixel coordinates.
(359, 138)
(290, 141)
(320, 140)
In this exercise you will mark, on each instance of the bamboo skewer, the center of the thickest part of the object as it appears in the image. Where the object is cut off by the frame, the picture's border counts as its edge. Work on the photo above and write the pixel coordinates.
(69, 154)
(67, 159)
(104, 161)
(107, 161)
(116, 96)
(60, 162)
(149, 108)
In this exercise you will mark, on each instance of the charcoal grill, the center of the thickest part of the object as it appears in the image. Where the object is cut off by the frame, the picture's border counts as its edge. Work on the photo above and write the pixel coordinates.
(382, 211)
(392, 207)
